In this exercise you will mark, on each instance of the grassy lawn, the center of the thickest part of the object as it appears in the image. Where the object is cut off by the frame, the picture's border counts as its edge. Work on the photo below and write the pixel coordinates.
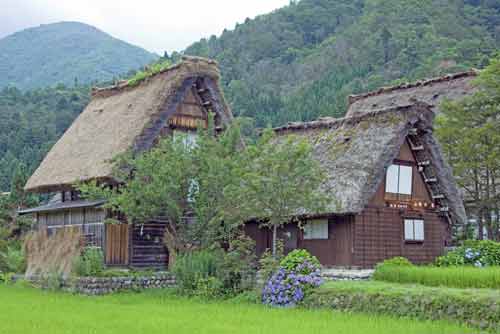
(395, 288)
(458, 277)
(24, 310)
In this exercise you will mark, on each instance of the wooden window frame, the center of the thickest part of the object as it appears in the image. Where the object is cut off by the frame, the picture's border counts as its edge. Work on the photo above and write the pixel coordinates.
(312, 221)
(399, 196)
(413, 219)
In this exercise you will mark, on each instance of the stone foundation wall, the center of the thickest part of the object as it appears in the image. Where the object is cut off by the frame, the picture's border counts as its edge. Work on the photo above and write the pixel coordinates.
(105, 285)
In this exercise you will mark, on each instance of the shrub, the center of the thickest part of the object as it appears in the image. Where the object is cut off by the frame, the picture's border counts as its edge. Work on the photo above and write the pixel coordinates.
(473, 252)
(217, 273)
(54, 281)
(89, 263)
(459, 277)
(13, 259)
(237, 269)
(476, 308)
(270, 264)
(192, 267)
(288, 286)
(297, 258)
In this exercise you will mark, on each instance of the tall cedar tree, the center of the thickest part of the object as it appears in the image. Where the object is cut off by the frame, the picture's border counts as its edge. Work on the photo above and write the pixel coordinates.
(469, 133)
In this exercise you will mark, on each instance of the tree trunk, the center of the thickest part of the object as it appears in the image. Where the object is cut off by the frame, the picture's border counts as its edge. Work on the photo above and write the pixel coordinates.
(275, 233)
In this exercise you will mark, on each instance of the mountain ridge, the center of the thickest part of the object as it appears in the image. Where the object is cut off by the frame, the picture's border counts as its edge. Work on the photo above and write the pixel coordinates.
(66, 52)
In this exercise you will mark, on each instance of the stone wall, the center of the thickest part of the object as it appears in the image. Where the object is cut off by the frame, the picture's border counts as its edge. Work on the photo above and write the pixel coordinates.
(105, 285)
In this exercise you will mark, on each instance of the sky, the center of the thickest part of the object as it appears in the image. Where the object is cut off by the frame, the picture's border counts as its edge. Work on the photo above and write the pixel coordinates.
(156, 25)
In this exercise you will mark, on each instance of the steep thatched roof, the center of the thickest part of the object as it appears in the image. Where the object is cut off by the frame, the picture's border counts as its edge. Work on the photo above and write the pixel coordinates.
(120, 118)
(432, 92)
(355, 152)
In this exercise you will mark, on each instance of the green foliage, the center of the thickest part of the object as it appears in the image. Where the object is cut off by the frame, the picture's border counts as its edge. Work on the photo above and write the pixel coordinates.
(193, 270)
(217, 273)
(174, 178)
(472, 252)
(472, 307)
(468, 133)
(455, 276)
(296, 258)
(269, 263)
(396, 261)
(154, 311)
(148, 72)
(279, 180)
(237, 270)
(89, 263)
(302, 61)
(70, 53)
(13, 260)
(53, 281)
(31, 123)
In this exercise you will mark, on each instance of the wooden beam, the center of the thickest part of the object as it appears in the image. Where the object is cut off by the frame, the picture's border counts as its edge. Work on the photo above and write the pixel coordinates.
(424, 163)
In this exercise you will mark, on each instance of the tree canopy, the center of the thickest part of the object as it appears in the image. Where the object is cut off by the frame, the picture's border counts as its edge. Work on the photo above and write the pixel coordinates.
(469, 133)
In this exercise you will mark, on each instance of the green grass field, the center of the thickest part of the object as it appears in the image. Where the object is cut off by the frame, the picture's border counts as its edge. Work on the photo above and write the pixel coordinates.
(25, 310)
(456, 277)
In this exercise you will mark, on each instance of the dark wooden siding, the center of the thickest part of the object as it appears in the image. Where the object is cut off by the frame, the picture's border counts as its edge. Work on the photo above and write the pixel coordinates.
(334, 251)
(147, 247)
(337, 249)
(379, 230)
(379, 234)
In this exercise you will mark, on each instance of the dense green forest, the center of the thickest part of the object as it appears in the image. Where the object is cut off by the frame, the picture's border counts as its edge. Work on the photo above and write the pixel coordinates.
(65, 52)
(301, 61)
(31, 122)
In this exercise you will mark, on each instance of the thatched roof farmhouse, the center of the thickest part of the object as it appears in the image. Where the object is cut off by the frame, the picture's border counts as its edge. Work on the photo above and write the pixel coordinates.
(356, 151)
(121, 118)
(393, 193)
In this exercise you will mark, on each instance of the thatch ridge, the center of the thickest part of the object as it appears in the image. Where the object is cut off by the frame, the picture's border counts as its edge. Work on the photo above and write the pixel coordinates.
(355, 152)
(195, 64)
(407, 85)
(431, 91)
(119, 119)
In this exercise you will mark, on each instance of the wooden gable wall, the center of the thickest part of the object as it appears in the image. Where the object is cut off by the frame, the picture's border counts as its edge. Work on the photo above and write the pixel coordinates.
(379, 229)
(420, 191)
(190, 113)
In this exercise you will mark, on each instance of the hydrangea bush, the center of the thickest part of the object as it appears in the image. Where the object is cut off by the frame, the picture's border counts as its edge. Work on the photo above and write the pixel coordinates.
(477, 253)
(299, 272)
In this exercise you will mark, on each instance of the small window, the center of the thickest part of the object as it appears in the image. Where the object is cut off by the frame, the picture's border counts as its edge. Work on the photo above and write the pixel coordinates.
(188, 137)
(316, 229)
(399, 179)
(414, 230)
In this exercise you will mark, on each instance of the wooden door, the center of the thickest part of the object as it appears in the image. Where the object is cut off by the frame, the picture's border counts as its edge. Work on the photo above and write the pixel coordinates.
(117, 244)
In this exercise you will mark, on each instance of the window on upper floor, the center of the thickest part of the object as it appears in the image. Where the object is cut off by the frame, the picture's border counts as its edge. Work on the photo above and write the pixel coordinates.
(188, 137)
(414, 230)
(399, 179)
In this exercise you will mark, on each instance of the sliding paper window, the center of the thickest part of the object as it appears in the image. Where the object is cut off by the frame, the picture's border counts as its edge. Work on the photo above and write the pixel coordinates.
(399, 180)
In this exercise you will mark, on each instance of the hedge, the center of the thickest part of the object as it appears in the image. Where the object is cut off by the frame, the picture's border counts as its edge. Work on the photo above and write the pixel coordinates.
(478, 308)
(457, 277)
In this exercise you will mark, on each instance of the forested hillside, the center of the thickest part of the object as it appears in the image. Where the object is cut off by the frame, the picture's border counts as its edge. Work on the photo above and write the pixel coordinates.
(301, 61)
(65, 52)
(30, 123)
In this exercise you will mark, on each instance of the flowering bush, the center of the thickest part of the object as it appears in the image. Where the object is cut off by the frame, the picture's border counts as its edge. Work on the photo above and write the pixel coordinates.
(476, 253)
(288, 286)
